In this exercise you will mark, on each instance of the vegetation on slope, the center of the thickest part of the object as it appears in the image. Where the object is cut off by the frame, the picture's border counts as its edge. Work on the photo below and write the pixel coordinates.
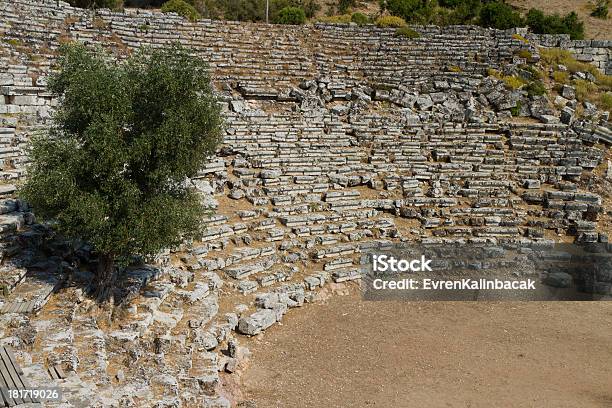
(111, 4)
(487, 13)
(291, 15)
(591, 84)
(600, 10)
(182, 8)
(495, 14)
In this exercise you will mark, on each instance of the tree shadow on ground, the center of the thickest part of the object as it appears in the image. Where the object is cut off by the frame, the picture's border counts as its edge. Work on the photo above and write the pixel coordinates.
(52, 262)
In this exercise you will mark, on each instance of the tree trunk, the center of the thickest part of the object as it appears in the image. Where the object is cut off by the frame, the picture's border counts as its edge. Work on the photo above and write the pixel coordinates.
(105, 278)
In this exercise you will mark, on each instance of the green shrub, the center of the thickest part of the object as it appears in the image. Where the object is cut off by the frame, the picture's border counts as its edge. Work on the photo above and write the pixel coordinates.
(450, 3)
(252, 10)
(414, 11)
(111, 4)
(535, 73)
(573, 26)
(291, 15)
(360, 19)
(570, 24)
(344, 5)
(601, 9)
(390, 21)
(535, 88)
(536, 20)
(499, 15)
(406, 32)
(310, 7)
(466, 12)
(405, 9)
(143, 3)
(516, 111)
(182, 8)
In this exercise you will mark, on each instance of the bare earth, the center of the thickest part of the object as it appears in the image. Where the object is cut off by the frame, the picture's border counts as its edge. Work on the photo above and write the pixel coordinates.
(351, 353)
(594, 27)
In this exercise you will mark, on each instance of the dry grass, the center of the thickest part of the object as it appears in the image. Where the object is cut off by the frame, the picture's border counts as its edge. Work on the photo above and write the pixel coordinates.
(339, 19)
(390, 21)
(512, 82)
(561, 77)
(598, 92)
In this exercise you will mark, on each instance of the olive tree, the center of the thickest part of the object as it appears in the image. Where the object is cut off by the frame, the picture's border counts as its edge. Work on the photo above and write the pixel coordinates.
(127, 135)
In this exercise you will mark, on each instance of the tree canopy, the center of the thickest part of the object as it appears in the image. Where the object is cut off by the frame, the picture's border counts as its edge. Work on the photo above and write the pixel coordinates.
(126, 136)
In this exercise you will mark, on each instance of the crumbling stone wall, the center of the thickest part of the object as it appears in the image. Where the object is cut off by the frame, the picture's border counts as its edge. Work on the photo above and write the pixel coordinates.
(596, 52)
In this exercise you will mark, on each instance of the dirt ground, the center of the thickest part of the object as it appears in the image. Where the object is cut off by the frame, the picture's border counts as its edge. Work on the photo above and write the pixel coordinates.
(347, 352)
(594, 27)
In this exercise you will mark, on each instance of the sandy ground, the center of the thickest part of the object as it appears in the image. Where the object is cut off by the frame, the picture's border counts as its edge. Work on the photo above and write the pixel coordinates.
(350, 353)
(594, 27)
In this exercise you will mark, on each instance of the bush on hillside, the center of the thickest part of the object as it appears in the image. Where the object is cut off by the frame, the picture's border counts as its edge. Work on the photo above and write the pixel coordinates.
(570, 24)
(487, 13)
(573, 26)
(111, 4)
(405, 9)
(291, 15)
(535, 88)
(466, 12)
(310, 7)
(344, 5)
(406, 32)
(242, 10)
(499, 15)
(601, 9)
(360, 19)
(255, 10)
(390, 21)
(182, 8)
(414, 11)
(143, 3)
(450, 3)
